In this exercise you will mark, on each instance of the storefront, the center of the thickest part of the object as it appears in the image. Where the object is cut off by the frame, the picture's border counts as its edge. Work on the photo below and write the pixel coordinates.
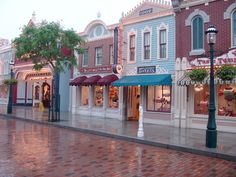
(192, 97)
(152, 92)
(94, 95)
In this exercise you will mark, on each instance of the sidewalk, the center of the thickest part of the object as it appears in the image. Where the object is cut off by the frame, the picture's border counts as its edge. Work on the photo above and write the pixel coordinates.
(187, 140)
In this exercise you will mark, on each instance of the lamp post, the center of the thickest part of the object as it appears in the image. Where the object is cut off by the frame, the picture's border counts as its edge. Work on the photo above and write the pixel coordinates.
(211, 132)
(9, 105)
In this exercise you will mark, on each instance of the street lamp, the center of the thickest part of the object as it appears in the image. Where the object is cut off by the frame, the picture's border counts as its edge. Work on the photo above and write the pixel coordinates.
(9, 105)
(211, 132)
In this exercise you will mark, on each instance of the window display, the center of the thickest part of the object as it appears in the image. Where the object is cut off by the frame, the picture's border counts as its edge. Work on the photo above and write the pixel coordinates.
(84, 95)
(201, 98)
(98, 96)
(159, 98)
(113, 97)
(227, 100)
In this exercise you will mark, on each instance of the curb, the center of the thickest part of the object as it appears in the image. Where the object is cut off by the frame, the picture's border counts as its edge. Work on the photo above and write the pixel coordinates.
(129, 138)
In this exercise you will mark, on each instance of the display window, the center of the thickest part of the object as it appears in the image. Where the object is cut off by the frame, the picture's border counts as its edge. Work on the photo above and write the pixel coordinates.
(227, 100)
(84, 95)
(98, 96)
(201, 98)
(113, 97)
(3, 91)
(159, 98)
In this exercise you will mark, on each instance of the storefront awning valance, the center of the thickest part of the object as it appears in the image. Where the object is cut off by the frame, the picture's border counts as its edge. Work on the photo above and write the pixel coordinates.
(185, 81)
(91, 80)
(78, 81)
(107, 80)
(144, 80)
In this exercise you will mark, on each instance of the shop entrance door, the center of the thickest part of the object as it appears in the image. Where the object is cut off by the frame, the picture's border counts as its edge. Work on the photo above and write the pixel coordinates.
(133, 101)
(46, 94)
(36, 94)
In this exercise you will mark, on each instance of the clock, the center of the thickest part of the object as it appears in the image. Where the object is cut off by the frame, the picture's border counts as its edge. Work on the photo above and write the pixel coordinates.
(117, 69)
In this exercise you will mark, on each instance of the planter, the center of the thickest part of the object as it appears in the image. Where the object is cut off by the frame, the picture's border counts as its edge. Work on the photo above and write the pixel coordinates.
(10, 81)
(197, 75)
(229, 93)
(226, 72)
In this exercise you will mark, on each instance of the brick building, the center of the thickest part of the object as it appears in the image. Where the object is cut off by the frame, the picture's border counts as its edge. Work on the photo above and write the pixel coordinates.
(192, 51)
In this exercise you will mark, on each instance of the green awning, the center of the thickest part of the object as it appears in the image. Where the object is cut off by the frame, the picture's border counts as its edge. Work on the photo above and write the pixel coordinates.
(144, 80)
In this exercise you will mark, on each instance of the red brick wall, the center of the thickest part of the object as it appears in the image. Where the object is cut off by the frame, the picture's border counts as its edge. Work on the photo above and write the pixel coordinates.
(104, 43)
(216, 12)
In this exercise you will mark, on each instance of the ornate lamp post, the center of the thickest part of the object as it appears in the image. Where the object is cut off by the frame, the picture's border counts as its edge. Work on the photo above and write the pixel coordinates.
(9, 105)
(211, 132)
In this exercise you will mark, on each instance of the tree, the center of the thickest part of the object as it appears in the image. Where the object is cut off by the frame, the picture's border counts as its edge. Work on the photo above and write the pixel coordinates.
(49, 44)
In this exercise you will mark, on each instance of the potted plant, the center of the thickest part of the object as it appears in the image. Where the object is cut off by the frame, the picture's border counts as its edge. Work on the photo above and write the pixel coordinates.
(9, 81)
(198, 74)
(226, 72)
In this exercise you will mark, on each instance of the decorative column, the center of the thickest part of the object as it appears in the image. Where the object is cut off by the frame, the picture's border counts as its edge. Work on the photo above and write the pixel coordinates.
(176, 93)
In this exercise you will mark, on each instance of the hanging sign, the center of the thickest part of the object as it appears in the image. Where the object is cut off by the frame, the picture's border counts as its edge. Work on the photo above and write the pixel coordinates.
(146, 69)
(228, 58)
(99, 69)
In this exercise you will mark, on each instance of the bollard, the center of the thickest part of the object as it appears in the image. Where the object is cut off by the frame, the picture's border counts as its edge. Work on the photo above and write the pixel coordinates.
(140, 124)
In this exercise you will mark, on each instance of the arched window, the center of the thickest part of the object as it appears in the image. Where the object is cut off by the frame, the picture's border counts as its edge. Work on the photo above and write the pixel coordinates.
(197, 33)
(234, 28)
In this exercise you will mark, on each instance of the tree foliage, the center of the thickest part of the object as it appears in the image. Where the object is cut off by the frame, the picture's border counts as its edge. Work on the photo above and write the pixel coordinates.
(48, 44)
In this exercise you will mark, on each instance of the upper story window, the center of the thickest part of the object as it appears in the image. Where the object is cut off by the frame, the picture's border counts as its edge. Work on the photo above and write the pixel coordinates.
(162, 43)
(146, 45)
(85, 58)
(98, 54)
(234, 28)
(132, 48)
(197, 33)
(111, 54)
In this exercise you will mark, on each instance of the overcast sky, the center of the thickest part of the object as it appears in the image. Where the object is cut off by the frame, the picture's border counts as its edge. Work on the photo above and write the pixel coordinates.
(74, 14)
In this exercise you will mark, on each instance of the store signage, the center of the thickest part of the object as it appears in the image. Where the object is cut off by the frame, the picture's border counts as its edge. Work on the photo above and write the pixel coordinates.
(228, 58)
(146, 69)
(101, 69)
(145, 11)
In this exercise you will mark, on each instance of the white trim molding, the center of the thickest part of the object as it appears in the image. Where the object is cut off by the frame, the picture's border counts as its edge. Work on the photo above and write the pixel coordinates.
(162, 26)
(205, 17)
(145, 30)
(130, 33)
(228, 12)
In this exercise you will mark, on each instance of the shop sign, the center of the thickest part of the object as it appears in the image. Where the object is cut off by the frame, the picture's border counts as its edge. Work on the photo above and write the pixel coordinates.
(146, 69)
(101, 69)
(145, 11)
(228, 58)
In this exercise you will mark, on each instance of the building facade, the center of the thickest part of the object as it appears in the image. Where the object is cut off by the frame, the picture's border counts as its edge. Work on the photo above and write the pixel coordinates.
(192, 51)
(148, 60)
(91, 91)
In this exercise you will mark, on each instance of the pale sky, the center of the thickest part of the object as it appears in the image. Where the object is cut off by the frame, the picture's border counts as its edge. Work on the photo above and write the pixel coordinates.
(76, 14)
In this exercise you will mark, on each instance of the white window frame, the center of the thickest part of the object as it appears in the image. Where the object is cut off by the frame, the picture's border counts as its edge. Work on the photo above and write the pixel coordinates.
(232, 30)
(130, 33)
(83, 60)
(111, 54)
(163, 26)
(96, 61)
(146, 30)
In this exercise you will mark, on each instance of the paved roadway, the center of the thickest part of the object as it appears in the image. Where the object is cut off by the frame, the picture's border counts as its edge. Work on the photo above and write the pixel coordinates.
(29, 149)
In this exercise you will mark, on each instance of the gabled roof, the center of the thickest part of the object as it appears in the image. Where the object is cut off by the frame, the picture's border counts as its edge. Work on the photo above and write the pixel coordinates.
(148, 9)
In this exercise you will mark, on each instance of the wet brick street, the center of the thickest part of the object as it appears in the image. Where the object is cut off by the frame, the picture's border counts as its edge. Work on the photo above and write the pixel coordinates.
(28, 149)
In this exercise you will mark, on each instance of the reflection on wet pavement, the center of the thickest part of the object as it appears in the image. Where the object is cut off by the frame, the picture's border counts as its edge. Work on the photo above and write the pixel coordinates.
(28, 149)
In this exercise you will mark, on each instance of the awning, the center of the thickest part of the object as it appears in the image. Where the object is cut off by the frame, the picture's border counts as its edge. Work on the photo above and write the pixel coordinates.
(107, 80)
(91, 80)
(78, 81)
(144, 80)
(185, 81)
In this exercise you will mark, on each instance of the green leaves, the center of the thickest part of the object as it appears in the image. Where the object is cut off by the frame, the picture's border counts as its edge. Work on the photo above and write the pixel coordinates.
(226, 72)
(197, 75)
(9, 81)
(42, 45)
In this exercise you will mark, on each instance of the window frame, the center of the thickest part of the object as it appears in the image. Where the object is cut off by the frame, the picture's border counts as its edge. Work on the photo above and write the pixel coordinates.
(97, 57)
(232, 29)
(83, 58)
(192, 34)
(144, 46)
(111, 54)
(165, 27)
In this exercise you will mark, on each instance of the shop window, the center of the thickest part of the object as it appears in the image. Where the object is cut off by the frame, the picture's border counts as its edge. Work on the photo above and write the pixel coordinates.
(227, 100)
(234, 28)
(98, 51)
(132, 48)
(197, 33)
(98, 96)
(146, 45)
(159, 98)
(113, 97)
(84, 95)
(201, 98)
(111, 54)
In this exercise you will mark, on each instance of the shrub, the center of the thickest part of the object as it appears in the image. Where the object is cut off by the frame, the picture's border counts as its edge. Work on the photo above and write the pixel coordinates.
(226, 72)
(198, 74)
